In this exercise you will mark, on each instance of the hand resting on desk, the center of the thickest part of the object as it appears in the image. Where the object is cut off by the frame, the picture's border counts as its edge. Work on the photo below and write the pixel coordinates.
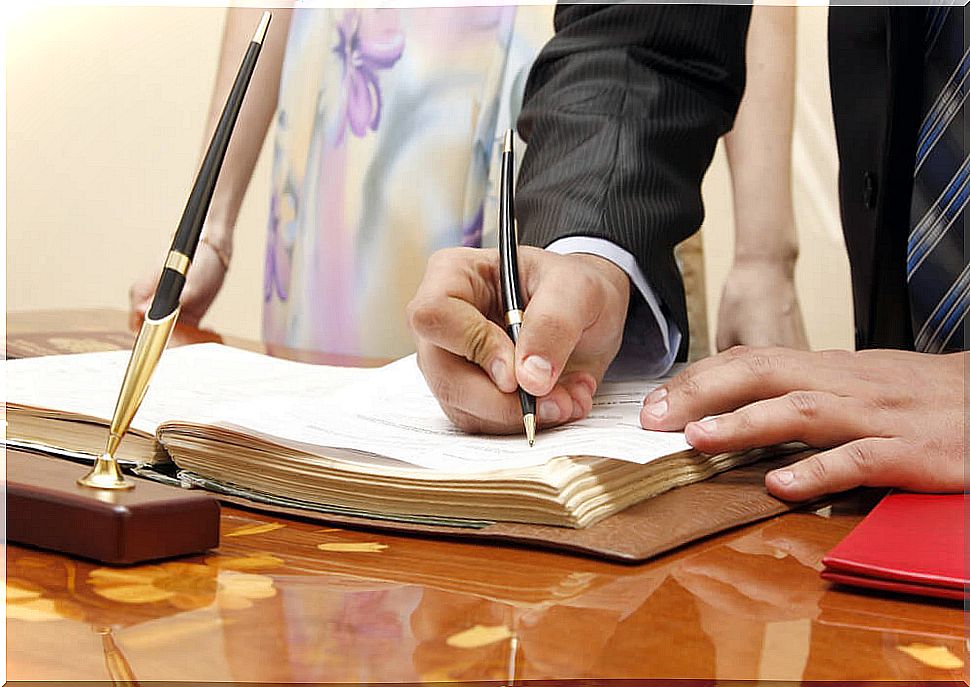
(887, 418)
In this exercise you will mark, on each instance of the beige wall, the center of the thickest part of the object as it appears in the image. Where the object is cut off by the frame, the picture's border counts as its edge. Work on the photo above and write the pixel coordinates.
(105, 116)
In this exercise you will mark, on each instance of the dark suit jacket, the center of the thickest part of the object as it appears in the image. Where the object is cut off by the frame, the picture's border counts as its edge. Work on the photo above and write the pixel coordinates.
(625, 104)
(875, 72)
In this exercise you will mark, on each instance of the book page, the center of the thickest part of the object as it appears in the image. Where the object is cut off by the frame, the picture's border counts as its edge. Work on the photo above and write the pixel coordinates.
(394, 414)
(387, 411)
(192, 383)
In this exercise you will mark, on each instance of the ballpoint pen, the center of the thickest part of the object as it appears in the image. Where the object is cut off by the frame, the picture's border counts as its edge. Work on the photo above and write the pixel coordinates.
(160, 318)
(508, 240)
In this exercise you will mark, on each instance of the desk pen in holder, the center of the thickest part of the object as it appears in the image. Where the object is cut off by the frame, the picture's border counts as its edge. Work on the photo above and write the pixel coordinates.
(160, 319)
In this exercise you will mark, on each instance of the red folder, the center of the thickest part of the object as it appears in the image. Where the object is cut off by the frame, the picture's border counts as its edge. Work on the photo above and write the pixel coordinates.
(909, 543)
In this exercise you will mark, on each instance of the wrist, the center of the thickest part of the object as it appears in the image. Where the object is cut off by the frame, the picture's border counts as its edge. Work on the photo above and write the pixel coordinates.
(219, 226)
(221, 248)
(780, 260)
(613, 273)
(766, 242)
(219, 234)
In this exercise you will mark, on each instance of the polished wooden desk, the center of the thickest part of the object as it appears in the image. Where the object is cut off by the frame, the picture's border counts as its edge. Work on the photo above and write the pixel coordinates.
(288, 601)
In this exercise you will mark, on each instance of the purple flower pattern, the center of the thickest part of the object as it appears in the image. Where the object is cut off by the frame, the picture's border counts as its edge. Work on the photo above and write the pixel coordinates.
(471, 233)
(368, 41)
(276, 272)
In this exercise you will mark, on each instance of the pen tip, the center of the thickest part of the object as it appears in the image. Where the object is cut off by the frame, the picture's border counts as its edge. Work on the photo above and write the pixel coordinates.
(530, 428)
(508, 142)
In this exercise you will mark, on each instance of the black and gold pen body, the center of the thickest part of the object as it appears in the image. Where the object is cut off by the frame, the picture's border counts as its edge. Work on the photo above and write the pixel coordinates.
(189, 230)
(163, 312)
(508, 241)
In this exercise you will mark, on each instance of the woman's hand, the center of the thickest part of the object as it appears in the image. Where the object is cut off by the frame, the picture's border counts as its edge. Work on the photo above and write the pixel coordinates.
(759, 306)
(204, 279)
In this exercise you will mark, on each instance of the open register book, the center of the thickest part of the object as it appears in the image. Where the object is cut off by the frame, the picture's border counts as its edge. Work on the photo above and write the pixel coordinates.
(364, 442)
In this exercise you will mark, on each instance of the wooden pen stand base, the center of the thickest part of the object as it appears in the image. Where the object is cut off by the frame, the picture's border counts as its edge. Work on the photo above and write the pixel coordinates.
(47, 508)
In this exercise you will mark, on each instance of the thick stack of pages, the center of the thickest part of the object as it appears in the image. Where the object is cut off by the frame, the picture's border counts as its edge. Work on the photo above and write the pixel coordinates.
(76, 435)
(366, 442)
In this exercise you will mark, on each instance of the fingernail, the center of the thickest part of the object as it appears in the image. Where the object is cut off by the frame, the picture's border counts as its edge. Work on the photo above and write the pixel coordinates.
(577, 410)
(538, 368)
(656, 409)
(500, 372)
(549, 411)
(783, 477)
(707, 426)
(654, 396)
(587, 383)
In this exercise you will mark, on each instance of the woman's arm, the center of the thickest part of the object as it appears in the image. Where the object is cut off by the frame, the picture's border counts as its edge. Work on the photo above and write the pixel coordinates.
(759, 305)
(212, 259)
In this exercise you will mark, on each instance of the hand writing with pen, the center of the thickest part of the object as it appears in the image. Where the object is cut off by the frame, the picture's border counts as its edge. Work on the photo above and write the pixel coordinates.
(882, 418)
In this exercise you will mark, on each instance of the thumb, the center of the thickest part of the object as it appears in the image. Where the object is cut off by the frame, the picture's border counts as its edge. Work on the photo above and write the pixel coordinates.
(559, 312)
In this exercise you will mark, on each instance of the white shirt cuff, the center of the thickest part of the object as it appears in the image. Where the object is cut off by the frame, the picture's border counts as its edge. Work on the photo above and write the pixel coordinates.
(650, 344)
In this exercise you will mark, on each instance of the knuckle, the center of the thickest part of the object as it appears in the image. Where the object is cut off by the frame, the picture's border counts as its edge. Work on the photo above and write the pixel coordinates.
(861, 457)
(935, 447)
(442, 259)
(477, 341)
(891, 400)
(817, 470)
(837, 355)
(688, 386)
(423, 315)
(411, 313)
(805, 404)
(760, 366)
(742, 421)
(875, 368)
(738, 351)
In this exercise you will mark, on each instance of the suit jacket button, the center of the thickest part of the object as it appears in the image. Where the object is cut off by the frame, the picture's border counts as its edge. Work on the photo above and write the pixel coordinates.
(869, 190)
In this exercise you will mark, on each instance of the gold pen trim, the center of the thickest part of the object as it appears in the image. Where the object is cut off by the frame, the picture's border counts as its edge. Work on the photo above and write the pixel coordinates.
(177, 261)
(114, 660)
(513, 317)
(151, 341)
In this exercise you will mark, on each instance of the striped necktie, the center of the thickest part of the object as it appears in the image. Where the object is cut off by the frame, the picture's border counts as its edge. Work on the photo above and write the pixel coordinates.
(936, 266)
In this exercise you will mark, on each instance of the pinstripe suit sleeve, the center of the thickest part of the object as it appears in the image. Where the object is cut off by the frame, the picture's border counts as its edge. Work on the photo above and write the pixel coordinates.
(621, 114)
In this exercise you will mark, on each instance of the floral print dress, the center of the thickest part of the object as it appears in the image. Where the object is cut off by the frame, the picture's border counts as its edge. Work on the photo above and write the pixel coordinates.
(386, 131)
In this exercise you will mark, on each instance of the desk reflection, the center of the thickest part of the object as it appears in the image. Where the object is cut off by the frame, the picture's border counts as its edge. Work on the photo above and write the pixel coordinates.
(749, 605)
